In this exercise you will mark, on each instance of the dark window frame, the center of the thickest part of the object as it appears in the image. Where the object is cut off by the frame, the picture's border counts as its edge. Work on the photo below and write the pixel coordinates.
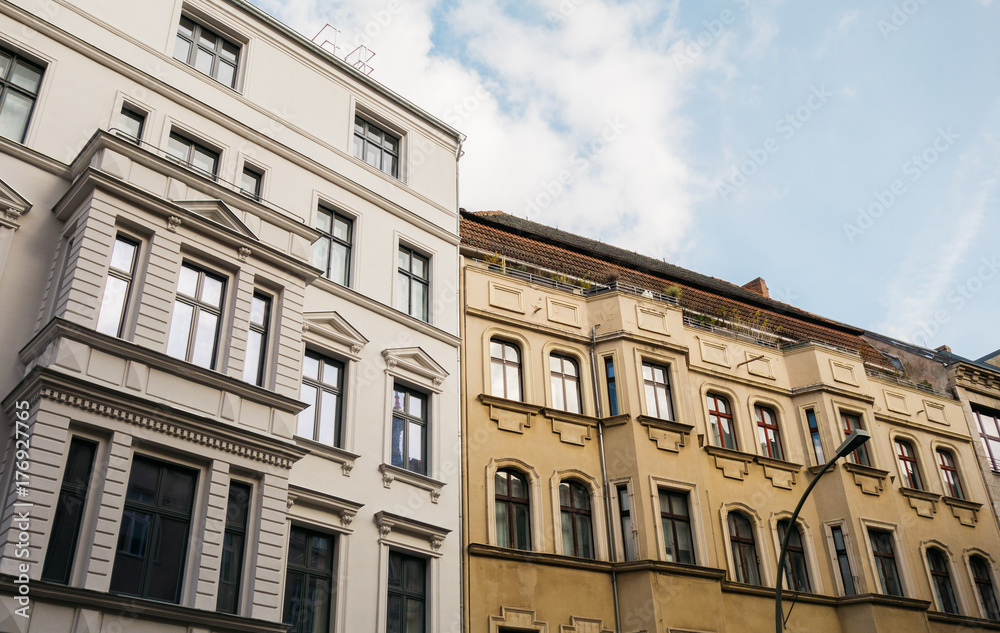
(321, 386)
(743, 543)
(571, 513)
(129, 111)
(852, 422)
(503, 363)
(261, 329)
(377, 138)
(843, 560)
(7, 86)
(884, 553)
(300, 619)
(982, 577)
(671, 515)
(408, 420)
(795, 558)
(197, 307)
(768, 433)
(159, 511)
(69, 512)
(515, 540)
(817, 441)
(991, 442)
(258, 175)
(192, 147)
(658, 388)
(406, 596)
(234, 545)
(944, 589)
(329, 239)
(909, 467)
(412, 279)
(125, 276)
(625, 522)
(717, 417)
(612, 382)
(217, 53)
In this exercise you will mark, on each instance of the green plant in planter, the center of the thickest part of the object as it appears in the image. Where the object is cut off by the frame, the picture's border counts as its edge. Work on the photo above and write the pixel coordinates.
(673, 291)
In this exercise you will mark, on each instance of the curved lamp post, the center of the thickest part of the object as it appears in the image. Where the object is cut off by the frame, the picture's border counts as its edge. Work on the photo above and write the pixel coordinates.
(851, 444)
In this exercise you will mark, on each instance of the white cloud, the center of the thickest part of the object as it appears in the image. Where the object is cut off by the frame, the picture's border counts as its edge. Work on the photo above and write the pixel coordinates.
(847, 20)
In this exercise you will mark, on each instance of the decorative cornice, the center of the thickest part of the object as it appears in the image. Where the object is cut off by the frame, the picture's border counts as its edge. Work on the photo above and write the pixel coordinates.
(345, 509)
(391, 473)
(834, 390)
(388, 523)
(539, 558)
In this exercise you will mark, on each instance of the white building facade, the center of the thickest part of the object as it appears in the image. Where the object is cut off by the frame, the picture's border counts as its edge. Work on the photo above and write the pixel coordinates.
(229, 358)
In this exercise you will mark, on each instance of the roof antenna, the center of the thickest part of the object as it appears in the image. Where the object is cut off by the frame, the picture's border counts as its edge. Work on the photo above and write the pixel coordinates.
(359, 58)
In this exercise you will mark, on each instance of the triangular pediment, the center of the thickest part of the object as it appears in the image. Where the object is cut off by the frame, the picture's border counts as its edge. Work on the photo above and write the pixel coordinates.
(218, 212)
(415, 361)
(333, 327)
(11, 202)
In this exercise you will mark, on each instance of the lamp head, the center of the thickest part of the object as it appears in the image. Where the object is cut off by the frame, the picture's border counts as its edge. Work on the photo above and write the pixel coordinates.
(853, 442)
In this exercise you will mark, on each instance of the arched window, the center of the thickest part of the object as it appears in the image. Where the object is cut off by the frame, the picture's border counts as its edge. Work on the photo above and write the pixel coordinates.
(513, 515)
(505, 370)
(938, 563)
(984, 586)
(949, 474)
(767, 431)
(720, 418)
(577, 531)
(564, 376)
(796, 570)
(908, 465)
(744, 548)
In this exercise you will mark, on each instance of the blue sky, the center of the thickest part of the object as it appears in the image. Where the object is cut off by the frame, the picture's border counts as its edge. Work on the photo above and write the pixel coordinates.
(847, 152)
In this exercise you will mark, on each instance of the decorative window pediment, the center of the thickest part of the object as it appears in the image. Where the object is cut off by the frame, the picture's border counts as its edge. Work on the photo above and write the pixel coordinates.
(417, 363)
(330, 327)
(12, 203)
(218, 212)
(390, 525)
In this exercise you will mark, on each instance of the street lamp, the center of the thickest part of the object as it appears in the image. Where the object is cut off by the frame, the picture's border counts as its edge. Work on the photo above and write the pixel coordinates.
(851, 444)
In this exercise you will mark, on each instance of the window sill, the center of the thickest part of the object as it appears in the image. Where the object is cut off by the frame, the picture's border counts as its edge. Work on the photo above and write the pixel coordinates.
(955, 502)
(865, 470)
(344, 458)
(508, 405)
(729, 453)
(665, 425)
(392, 473)
(567, 416)
(780, 464)
(913, 493)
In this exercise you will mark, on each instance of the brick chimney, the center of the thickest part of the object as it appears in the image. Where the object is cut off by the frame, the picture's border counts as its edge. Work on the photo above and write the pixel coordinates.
(757, 286)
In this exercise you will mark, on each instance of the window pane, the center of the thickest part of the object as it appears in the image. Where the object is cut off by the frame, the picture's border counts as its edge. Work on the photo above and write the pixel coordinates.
(182, 48)
(685, 546)
(513, 383)
(403, 293)
(416, 449)
(14, 115)
(180, 326)
(178, 147)
(5, 60)
(517, 487)
(318, 603)
(496, 380)
(503, 533)
(26, 76)
(338, 263)
(584, 536)
(572, 397)
(663, 402)
(112, 306)
(328, 418)
(226, 73)
(359, 148)
(397, 442)
(414, 616)
(203, 60)
(250, 182)
(258, 310)
(310, 367)
(307, 415)
(229, 51)
(331, 373)
(415, 406)
(394, 622)
(521, 527)
(130, 123)
(205, 160)
(373, 156)
(122, 256)
(558, 401)
(187, 282)
(168, 557)
(342, 229)
(418, 301)
(211, 291)
(321, 254)
(204, 342)
(569, 548)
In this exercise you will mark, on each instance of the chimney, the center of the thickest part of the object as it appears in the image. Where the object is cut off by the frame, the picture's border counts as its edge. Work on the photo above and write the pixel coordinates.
(943, 348)
(757, 286)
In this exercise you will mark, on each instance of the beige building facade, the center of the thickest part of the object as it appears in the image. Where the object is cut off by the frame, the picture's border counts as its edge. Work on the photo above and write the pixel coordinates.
(636, 437)
(229, 360)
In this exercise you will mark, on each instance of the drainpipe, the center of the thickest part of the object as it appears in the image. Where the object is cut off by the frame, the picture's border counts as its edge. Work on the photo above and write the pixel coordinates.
(604, 478)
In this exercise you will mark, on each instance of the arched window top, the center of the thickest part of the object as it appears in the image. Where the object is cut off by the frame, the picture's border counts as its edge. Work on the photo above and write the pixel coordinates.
(796, 570)
(949, 473)
(768, 433)
(937, 561)
(720, 419)
(719, 403)
(505, 369)
(512, 484)
(744, 548)
(564, 378)
(513, 514)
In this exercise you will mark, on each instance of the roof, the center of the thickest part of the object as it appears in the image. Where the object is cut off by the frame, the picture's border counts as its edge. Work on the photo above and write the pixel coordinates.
(945, 357)
(543, 246)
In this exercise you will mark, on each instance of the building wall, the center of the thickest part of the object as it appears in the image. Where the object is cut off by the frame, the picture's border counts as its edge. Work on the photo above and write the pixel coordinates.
(646, 453)
(74, 184)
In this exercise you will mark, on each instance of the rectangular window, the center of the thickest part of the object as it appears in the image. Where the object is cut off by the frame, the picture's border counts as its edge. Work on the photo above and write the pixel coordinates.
(260, 321)
(375, 146)
(407, 594)
(309, 581)
(409, 429)
(323, 389)
(194, 327)
(564, 379)
(625, 517)
(505, 369)
(412, 283)
(118, 287)
(250, 182)
(193, 154)
(676, 522)
(609, 373)
(153, 536)
(908, 465)
(131, 123)
(332, 251)
(19, 82)
(989, 432)
(656, 382)
(207, 52)
(233, 547)
(885, 562)
(69, 511)
(817, 443)
(843, 562)
(852, 423)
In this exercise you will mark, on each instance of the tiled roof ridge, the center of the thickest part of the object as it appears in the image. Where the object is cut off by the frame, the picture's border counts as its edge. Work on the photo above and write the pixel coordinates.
(602, 250)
